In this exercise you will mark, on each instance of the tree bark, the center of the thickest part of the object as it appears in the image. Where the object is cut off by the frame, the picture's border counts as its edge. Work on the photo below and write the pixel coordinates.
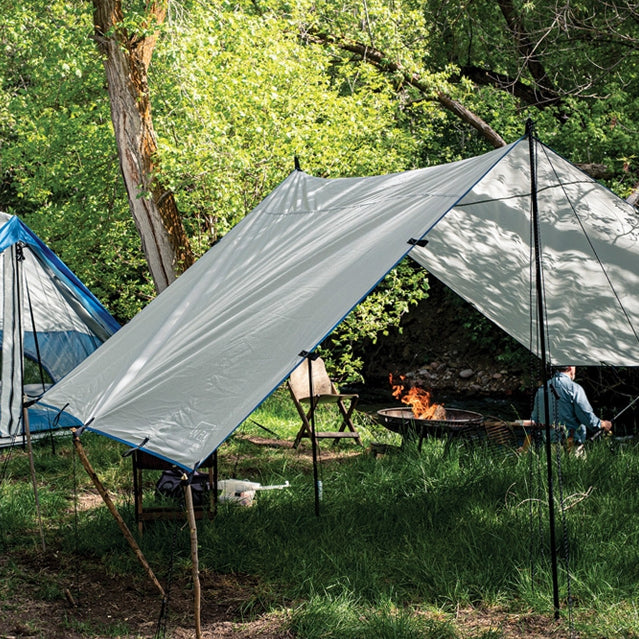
(126, 62)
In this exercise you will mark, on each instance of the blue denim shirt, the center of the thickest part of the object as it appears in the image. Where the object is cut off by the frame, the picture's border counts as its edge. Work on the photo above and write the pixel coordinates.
(569, 407)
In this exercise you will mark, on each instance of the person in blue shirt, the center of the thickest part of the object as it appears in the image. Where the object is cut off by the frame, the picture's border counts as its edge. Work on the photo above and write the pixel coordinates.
(571, 414)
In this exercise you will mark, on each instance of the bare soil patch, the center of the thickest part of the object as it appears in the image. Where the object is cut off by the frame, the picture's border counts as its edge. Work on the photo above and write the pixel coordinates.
(62, 596)
(59, 601)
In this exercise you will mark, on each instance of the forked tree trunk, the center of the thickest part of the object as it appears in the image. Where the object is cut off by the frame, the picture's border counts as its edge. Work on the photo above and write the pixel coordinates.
(126, 62)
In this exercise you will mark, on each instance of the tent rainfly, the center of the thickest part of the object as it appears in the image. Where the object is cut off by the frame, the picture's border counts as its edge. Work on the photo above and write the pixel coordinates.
(190, 367)
(48, 317)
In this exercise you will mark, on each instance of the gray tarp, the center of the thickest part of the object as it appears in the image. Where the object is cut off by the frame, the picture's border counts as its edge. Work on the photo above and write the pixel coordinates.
(190, 367)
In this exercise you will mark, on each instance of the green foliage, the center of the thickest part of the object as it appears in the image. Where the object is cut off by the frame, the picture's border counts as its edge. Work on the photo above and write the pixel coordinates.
(289, 102)
(228, 133)
(231, 130)
(240, 89)
(59, 164)
(382, 310)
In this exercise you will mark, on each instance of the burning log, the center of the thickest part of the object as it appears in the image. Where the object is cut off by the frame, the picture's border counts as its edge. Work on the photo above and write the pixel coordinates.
(418, 399)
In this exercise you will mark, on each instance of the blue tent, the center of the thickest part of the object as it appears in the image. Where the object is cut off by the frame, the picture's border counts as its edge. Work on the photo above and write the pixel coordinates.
(49, 323)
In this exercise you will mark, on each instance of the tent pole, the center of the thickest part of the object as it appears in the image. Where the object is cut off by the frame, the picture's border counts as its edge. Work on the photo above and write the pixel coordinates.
(110, 505)
(36, 343)
(311, 396)
(195, 564)
(27, 433)
(545, 367)
(19, 257)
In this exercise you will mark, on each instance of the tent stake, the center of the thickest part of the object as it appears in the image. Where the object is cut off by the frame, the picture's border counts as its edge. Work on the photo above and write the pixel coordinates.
(545, 367)
(27, 432)
(195, 564)
(110, 505)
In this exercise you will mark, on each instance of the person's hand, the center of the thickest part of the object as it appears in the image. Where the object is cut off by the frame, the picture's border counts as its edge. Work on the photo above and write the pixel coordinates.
(606, 425)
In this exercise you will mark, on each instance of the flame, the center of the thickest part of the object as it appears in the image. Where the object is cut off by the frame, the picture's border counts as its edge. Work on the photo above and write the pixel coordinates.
(417, 398)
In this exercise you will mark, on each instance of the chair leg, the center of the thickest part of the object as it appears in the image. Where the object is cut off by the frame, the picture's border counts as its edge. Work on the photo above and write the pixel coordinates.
(305, 430)
(347, 418)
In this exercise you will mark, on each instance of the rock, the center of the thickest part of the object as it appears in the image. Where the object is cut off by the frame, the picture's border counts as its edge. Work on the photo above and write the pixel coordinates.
(466, 373)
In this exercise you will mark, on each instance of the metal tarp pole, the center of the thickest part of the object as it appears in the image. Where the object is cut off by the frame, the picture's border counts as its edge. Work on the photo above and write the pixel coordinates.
(311, 396)
(542, 348)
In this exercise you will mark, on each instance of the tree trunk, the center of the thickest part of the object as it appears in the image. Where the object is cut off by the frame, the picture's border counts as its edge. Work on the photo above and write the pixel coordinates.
(126, 61)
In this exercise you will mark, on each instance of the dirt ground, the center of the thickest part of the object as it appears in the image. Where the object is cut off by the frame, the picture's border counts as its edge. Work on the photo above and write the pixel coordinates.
(93, 603)
(61, 599)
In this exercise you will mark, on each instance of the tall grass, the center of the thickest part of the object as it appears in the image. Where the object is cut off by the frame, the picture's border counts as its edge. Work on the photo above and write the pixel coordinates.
(413, 530)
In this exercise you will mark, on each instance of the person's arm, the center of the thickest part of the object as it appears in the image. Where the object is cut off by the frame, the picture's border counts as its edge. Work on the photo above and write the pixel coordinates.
(585, 413)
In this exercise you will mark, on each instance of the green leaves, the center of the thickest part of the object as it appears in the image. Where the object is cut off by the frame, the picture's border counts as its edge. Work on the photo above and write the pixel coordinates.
(238, 90)
(249, 101)
(58, 157)
(375, 316)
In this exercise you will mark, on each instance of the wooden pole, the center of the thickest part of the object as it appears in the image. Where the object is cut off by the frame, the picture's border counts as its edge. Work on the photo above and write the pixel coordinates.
(110, 505)
(27, 431)
(190, 514)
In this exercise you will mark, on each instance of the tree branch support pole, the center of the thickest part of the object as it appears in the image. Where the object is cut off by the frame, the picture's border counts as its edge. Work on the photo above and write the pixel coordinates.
(27, 432)
(111, 506)
(195, 563)
(542, 347)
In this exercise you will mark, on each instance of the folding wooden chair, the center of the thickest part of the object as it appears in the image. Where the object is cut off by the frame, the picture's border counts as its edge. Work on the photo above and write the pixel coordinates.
(324, 392)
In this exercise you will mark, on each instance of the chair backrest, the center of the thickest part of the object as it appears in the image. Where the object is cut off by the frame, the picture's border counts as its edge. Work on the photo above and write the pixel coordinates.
(298, 381)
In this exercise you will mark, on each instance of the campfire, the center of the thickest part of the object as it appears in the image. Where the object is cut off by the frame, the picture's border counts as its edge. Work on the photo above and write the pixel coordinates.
(418, 399)
(425, 417)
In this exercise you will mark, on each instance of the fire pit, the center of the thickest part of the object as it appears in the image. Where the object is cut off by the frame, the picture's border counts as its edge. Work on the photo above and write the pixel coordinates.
(457, 422)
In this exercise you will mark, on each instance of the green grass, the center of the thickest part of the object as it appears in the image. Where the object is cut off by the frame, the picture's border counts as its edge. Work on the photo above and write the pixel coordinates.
(398, 536)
